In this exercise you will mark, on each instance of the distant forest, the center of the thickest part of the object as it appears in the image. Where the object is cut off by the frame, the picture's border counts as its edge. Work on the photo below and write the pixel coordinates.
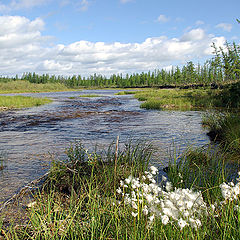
(224, 67)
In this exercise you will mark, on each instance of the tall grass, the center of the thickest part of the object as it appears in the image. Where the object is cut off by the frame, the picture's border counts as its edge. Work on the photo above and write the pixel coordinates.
(82, 198)
(25, 86)
(9, 102)
(180, 99)
(224, 127)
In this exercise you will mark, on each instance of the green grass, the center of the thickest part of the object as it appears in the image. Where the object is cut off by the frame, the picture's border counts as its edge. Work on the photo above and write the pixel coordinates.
(25, 86)
(10, 102)
(126, 93)
(178, 99)
(79, 199)
(191, 99)
(224, 127)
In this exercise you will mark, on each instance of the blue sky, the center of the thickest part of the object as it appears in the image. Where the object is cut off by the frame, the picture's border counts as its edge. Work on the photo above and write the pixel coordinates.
(111, 36)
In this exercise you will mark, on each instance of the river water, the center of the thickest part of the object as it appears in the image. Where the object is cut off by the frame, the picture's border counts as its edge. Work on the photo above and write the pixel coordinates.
(30, 138)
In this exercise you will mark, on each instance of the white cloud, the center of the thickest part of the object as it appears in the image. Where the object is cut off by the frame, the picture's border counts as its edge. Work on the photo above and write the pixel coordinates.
(225, 26)
(162, 19)
(199, 22)
(23, 48)
(194, 35)
(21, 4)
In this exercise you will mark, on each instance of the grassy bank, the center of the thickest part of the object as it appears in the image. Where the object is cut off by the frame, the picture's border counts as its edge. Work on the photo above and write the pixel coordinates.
(11, 102)
(224, 128)
(179, 99)
(191, 99)
(25, 86)
(115, 196)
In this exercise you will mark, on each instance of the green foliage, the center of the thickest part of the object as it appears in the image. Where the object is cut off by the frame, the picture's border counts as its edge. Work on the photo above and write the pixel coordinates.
(201, 169)
(225, 128)
(91, 209)
(69, 176)
(7, 102)
(79, 200)
(179, 99)
(228, 60)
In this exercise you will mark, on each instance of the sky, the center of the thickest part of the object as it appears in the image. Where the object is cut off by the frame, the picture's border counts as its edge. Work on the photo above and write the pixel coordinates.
(64, 37)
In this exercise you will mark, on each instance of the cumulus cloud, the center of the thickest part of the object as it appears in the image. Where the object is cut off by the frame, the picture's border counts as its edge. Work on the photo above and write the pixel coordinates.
(23, 48)
(225, 26)
(194, 35)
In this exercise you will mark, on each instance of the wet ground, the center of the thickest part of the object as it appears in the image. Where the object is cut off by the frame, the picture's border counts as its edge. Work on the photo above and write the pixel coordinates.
(30, 138)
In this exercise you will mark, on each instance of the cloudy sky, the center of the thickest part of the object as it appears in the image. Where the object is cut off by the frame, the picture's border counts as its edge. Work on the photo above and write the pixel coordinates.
(66, 37)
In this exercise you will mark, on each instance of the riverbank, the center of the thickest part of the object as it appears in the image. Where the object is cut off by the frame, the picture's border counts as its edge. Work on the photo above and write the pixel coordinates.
(118, 195)
(22, 86)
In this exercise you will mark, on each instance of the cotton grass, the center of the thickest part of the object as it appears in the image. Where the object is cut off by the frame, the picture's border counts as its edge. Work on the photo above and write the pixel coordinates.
(179, 206)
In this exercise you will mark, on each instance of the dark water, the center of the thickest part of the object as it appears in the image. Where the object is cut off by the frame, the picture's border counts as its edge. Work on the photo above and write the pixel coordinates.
(30, 138)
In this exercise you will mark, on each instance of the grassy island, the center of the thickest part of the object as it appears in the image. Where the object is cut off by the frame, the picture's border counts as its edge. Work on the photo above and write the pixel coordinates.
(13, 102)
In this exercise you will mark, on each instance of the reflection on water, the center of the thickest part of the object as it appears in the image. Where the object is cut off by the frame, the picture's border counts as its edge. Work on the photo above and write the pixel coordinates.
(30, 138)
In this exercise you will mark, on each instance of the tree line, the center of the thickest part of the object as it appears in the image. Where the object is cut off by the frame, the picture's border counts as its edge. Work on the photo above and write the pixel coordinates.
(224, 67)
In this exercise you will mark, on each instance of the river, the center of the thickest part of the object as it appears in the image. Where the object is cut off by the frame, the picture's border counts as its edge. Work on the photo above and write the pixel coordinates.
(31, 138)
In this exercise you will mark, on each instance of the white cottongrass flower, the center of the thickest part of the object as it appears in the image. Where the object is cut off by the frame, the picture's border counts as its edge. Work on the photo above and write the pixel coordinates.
(182, 206)
(230, 191)
(168, 186)
(182, 223)
(134, 214)
(145, 210)
(119, 190)
(153, 170)
(121, 183)
(165, 219)
(128, 180)
(134, 205)
(151, 218)
(164, 179)
(195, 223)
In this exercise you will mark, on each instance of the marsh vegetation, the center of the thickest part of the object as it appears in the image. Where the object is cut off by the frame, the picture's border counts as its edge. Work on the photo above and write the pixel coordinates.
(13, 102)
(117, 194)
